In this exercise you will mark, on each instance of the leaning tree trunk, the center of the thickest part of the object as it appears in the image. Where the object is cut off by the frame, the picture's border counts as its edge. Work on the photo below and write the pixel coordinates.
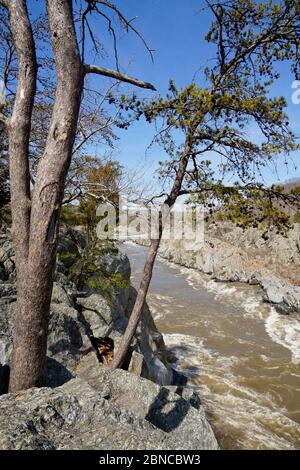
(148, 268)
(36, 263)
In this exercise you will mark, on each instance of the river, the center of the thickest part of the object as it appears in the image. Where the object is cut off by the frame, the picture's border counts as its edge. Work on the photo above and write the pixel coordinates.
(240, 354)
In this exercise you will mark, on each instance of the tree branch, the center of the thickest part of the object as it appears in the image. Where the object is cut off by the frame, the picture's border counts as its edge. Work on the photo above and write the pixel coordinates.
(126, 23)
(118, 76)
(19, 126)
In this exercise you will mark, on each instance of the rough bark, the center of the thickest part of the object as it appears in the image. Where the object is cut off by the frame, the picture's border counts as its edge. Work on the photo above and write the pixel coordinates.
(148, 268)
(36, 214)
(19, 131)
(19, 134)
(28, 367)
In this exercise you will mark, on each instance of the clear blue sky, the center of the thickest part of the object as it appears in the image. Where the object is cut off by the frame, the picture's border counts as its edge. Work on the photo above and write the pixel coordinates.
(175, 29)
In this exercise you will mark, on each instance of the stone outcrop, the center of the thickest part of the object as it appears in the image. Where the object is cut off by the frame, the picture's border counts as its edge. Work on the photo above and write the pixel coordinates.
(88, 406)
(77, 315)
(103, 413)
(232, 254)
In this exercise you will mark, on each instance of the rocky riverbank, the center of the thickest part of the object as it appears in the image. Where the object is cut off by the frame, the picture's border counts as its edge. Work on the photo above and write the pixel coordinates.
(232, 254)
(86, 404)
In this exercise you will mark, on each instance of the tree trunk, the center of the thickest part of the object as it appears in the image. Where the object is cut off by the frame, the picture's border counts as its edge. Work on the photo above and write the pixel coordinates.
(35, 216)
(137, 310)
(28, 366)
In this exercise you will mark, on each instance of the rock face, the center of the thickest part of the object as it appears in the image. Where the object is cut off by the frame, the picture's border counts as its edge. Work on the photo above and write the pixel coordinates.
(104, 415)
(232, 254)
(89, 406)
(76, 316)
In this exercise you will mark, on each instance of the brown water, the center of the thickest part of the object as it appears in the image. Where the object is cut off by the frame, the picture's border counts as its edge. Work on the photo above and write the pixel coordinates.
(243, 357)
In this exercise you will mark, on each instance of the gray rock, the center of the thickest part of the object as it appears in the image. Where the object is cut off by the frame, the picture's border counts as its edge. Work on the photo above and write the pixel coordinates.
(75, 416)
(6, 250)
(284, 296)
(6, 310)
(74, 318)
(98, 304)
(7, 259)
(60, 294)
(115, 262)
(84, 409)
(150, 343)
(66, 335)
(232, 254)
(175, 414)
(137, 365)
(7, 290)
(3, 273)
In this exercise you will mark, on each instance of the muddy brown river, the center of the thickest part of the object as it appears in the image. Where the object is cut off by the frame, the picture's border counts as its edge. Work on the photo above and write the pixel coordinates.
(242, 356)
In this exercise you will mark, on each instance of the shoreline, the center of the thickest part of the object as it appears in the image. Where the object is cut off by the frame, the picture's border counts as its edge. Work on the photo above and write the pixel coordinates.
(225, 261)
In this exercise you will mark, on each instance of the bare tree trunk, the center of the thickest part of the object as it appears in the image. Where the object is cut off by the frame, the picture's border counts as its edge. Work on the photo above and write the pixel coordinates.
(28, 367)
(148, 268)
(35, 216)
(19, 133)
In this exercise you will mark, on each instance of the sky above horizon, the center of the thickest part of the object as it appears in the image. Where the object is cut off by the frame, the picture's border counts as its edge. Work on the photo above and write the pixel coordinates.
(175, 30)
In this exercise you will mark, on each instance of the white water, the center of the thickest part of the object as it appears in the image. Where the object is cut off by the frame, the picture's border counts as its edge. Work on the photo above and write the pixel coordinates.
(240, 354)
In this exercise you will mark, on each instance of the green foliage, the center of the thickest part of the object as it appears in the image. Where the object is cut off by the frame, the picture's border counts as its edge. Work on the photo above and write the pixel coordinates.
(71, 216)
(101, 185)
(99, 182)
(87, 271)
(250, 39)
(249, 206)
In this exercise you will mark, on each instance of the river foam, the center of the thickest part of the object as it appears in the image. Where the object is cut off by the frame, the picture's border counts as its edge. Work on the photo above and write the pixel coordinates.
(285, 330)
(237, 351)
(242, 417)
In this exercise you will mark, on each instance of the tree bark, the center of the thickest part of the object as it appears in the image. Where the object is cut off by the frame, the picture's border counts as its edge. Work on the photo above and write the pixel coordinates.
(35, 215)
(137, 310)
(28, 366)
(19, 132)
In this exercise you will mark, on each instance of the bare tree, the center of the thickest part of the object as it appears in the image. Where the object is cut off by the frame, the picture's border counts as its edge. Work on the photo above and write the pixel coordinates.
(35, 213)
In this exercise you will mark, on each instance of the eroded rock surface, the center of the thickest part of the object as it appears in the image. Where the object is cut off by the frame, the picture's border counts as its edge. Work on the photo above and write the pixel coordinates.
(104, 415)
(88, 406)
(232, 254)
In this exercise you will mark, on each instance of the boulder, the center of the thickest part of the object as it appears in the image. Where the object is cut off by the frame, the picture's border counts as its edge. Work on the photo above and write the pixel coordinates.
(97, 304)
(173, 413)
(89, 406)
(115, 262)
(7, 259)
(103, 414)
(284, 296)
(137, 365)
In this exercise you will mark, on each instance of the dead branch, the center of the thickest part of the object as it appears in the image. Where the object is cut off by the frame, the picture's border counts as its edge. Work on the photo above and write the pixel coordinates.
(117, 75)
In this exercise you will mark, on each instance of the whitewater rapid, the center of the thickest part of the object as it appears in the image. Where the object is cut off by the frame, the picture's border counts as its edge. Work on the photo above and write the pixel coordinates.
(239, 353)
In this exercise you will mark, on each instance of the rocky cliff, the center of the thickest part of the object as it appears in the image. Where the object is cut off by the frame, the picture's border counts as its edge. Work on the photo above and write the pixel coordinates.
(230, 253)
(88, 405)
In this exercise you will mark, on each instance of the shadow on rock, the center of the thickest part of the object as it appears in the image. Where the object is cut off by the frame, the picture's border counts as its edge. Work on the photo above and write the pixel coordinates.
(4, 378)
(57, 373)
(167, 414)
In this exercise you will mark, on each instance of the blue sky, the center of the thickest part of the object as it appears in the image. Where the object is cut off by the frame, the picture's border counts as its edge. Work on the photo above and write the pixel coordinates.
(175, 29)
